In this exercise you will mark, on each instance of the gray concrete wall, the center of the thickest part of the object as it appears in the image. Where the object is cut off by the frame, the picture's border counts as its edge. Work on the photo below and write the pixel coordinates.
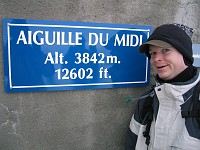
(85, 119)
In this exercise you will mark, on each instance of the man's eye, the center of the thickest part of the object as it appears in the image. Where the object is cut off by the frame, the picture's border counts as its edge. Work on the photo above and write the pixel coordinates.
(152, 53)
(165, 50)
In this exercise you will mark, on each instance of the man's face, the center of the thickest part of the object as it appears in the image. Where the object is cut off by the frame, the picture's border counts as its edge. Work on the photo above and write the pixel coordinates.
(167, 63)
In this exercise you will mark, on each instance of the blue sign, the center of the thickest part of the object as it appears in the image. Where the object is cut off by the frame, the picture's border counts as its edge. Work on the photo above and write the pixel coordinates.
(196, 54)
(44, 55)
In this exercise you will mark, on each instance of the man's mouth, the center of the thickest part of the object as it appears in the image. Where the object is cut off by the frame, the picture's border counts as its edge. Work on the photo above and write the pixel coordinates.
(161, 67)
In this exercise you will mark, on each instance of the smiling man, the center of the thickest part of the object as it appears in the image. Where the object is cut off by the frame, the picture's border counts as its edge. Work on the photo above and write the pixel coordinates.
(166, 62)
(158, 122)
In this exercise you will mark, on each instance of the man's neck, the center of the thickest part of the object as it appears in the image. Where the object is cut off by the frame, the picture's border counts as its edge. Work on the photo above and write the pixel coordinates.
(184, 76)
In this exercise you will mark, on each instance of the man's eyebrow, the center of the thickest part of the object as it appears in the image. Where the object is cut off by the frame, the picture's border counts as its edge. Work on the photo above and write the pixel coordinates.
(150, 49)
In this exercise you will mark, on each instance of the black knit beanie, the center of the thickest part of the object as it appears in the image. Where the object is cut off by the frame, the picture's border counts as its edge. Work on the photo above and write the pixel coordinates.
(179, 36)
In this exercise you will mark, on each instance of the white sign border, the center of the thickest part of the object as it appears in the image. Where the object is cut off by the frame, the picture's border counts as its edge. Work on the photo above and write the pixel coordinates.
(69, 85)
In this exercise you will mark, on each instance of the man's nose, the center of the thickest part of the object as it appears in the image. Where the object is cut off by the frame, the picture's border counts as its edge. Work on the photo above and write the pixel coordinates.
(157, 57)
